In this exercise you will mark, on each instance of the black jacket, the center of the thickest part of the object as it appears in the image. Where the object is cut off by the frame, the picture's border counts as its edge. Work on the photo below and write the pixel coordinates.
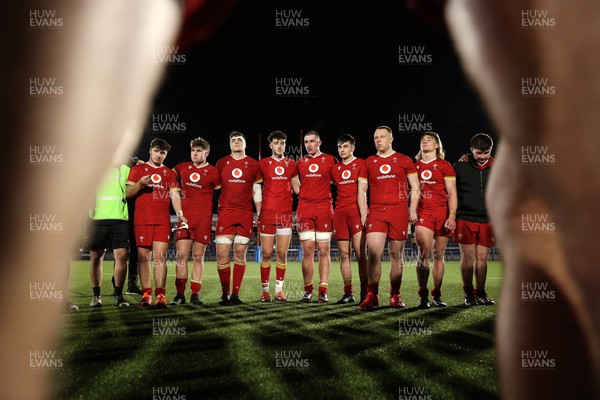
(471, 182)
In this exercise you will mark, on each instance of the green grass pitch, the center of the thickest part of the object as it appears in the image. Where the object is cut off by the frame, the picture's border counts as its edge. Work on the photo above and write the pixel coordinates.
(278, 351)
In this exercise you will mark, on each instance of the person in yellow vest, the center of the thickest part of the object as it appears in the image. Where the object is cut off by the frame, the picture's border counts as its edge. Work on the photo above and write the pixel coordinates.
(109, 229)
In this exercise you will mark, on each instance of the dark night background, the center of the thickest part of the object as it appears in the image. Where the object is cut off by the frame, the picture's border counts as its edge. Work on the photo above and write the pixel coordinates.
(347, 56)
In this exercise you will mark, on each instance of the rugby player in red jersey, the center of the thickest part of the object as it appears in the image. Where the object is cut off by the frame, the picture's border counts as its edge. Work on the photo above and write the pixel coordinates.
(436, 212)
(198, 180)
(314, 216)
(153, 184)
(240, 185)
(275, 221)
(389, 174)
(347, 223)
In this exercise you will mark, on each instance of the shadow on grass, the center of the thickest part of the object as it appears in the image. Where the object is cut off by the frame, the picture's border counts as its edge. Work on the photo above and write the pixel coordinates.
(343, 347)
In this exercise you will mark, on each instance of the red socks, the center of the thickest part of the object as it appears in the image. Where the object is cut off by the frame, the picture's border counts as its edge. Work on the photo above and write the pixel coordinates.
(373, 288)
(348, 290)
(265, 272)
(323, 287)
(196, 287)
(238, 275)
(224, 276)
(180, 285)
(280, 271)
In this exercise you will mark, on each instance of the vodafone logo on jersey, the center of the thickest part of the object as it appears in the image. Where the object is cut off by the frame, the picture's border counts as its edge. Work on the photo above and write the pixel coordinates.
(279, 170)
(156, 178)
(195, 177)
(236, 173)
(426, 175)
(385, 169)
(346, 174)
(313, 168)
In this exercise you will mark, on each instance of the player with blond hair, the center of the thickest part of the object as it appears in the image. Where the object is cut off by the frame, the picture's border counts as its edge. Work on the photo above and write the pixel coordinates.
(436, 213)
(198, 180)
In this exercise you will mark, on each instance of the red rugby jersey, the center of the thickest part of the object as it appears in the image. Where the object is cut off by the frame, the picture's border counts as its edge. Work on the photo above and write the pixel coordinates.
(315, 178)
(388, 179)
(277, 188)
(152, 201)
(345, 177)
(237, 178)
(432, 176)
(197, 187)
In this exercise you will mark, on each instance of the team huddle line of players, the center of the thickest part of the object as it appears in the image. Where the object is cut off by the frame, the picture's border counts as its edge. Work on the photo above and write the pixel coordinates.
(439, 199)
